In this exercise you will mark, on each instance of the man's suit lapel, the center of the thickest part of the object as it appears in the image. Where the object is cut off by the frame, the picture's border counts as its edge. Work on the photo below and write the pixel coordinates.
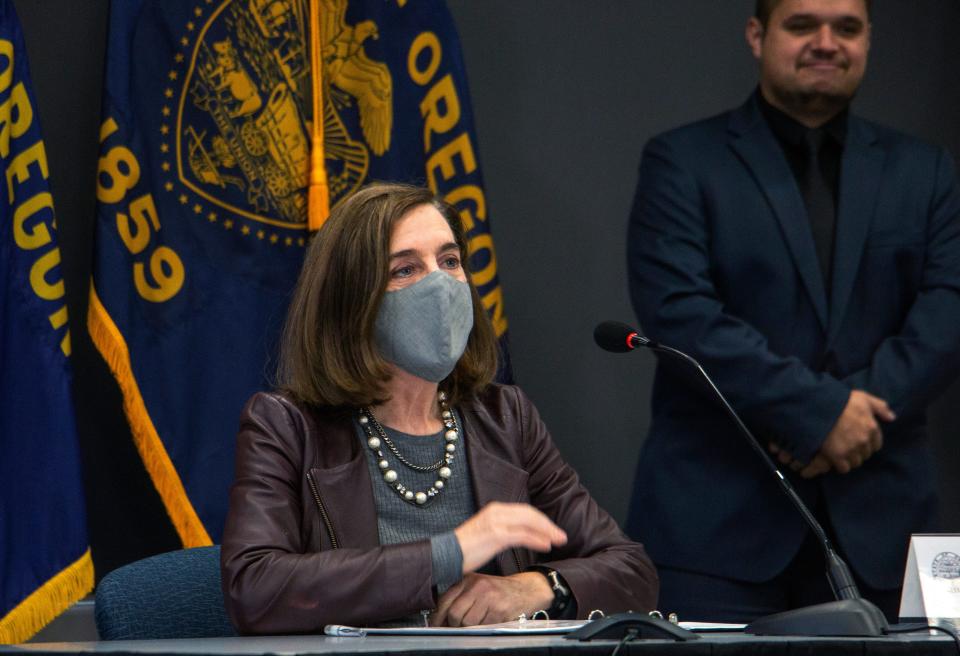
(752, 140)
(860, 173)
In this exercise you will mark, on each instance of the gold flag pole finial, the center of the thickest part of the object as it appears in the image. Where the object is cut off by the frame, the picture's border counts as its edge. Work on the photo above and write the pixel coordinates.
(318, 197)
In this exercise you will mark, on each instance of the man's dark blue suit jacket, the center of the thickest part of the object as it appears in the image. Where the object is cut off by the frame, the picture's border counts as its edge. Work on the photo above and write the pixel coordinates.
(723, 266)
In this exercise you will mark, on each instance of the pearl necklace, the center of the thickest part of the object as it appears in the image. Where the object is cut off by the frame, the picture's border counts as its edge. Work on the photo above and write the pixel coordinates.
(369, 423)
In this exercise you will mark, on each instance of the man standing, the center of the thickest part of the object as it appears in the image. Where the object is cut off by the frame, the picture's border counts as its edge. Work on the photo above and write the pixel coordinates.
(810, 260)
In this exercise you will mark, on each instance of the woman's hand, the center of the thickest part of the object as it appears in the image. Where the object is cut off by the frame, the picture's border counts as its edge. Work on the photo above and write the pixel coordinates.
(500, 526)
(483, 599)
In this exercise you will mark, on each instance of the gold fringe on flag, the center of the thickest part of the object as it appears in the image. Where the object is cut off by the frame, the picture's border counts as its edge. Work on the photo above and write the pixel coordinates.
(318, 197)
(44, 604)
(112, 346)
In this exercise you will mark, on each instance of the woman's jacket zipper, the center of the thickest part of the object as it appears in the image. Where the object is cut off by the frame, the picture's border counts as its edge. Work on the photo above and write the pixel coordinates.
(323, 512)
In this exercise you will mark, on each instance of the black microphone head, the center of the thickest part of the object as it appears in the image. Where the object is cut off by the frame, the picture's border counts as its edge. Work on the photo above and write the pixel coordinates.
(614, 336)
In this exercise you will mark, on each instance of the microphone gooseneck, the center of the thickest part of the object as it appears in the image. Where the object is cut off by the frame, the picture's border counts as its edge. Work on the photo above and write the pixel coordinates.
(863, 618)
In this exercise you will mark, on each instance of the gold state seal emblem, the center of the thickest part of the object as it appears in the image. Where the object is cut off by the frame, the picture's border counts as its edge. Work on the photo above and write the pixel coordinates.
(242, 116)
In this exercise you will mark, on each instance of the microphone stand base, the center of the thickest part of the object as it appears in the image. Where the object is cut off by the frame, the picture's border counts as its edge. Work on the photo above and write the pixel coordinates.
(848, 617)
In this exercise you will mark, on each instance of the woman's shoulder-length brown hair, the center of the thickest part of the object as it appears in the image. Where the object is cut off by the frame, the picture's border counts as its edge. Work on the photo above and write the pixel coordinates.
(328, 355)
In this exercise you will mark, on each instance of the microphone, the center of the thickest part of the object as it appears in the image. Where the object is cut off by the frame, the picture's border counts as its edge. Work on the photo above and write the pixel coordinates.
(618, 337)
(850, 615)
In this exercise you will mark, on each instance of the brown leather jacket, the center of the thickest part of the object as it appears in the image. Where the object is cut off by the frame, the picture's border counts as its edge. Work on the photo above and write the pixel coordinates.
(301, 548)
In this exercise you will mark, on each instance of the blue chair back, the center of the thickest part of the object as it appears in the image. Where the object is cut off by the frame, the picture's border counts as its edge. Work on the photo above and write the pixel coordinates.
(170, 595)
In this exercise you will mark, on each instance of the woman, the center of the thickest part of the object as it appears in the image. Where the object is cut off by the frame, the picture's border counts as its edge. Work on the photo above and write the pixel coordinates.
(388, 478)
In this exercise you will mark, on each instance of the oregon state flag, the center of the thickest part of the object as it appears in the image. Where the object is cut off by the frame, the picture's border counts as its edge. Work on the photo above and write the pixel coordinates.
(202, 187)
(45, 561)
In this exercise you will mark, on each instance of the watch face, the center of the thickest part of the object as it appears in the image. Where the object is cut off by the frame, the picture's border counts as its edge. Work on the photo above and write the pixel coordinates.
(555, 580)
(561, 595)
(559, 590)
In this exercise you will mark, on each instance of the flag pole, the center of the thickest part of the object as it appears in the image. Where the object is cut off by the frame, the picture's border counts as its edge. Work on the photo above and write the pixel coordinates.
(318, 196)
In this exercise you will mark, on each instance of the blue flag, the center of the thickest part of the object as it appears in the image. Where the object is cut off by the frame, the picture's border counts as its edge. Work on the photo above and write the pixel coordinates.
(202, 215)
(45, 563)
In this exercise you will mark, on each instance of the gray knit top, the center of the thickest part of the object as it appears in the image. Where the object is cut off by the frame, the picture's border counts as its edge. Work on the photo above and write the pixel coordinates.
(399, 521)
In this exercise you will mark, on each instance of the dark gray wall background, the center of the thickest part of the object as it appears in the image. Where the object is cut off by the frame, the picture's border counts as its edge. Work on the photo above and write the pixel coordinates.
(565, 94)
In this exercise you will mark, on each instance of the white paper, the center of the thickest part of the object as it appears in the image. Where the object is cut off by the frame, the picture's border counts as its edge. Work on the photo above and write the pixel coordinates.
(931, 581)
(709, 627)
(525, 627)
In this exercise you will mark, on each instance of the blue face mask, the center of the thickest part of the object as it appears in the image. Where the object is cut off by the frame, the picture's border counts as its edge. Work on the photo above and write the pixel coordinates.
(423, 328)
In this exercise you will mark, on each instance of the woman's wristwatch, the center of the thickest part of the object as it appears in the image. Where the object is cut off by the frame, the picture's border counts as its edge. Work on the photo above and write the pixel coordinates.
(561, 593)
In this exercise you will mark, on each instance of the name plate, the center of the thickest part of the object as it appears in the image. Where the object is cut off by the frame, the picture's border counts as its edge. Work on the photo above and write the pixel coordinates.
(931, 582)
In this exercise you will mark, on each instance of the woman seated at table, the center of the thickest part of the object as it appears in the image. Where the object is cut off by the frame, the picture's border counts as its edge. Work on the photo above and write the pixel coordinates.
(389, 478)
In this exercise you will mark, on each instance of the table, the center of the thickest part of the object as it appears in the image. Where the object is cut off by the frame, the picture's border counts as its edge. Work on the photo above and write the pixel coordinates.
(711, 644)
